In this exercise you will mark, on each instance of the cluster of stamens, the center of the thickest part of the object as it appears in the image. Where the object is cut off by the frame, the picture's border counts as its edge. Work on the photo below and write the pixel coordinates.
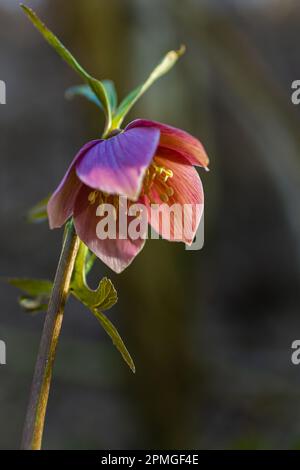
(103, 198)
(155, 174)
(159, 176)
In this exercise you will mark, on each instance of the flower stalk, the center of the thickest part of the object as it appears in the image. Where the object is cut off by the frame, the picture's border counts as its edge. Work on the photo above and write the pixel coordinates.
(35, 417)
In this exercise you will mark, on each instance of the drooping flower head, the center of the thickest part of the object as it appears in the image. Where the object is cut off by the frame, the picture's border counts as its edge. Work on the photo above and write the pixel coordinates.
(149, 163)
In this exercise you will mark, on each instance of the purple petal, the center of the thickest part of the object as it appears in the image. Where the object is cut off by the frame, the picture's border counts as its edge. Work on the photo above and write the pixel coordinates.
(118, 165)
(117, 254)
(60, 205)
(176, 139)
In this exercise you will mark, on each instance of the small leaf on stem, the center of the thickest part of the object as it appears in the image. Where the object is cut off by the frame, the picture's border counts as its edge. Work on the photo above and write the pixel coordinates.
(87, 92)
(34, 304)
(162, 68)
(31, 286)
(98, 88)
(38, 213)
(37, 292)
(97, 301)
(115, 337)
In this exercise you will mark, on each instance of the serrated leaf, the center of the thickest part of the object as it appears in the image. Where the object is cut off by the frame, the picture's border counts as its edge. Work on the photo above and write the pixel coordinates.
(66, 55)
(163, 67)
(32, 287)
(115, 337)
(106, 295)
(38, 213)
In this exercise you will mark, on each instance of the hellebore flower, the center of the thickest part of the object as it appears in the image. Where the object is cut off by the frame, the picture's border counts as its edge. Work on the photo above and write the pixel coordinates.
(149, 163)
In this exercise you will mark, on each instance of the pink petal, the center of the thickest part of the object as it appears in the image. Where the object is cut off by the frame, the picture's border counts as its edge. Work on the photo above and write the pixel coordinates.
(60, 205)
(117, 254)
(118, 165)
(176, 139)
(188, 197)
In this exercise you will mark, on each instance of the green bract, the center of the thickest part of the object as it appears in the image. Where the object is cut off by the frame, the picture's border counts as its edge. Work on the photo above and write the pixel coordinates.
(162, 68)
(97, 301)
(38, 213)
(87, 92)
(120, 112)
(103, 93)
(96, 86)
(37, 293)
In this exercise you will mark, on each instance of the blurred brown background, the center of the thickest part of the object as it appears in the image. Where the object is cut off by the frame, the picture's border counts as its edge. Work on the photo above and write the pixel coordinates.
(210, 330)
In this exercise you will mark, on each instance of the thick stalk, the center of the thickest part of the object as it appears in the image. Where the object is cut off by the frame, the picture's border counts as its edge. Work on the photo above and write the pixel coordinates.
(36, 411)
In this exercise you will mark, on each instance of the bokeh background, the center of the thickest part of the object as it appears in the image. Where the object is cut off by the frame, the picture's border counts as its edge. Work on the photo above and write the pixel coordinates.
(210, 330)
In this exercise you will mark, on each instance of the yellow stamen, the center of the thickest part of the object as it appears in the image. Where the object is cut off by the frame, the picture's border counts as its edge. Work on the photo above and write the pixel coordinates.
(159, 176)
(170, 191)
(164, 197)
(92, 197)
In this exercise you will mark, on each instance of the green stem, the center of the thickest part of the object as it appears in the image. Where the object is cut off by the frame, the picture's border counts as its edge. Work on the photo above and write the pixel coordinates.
(36, 411)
